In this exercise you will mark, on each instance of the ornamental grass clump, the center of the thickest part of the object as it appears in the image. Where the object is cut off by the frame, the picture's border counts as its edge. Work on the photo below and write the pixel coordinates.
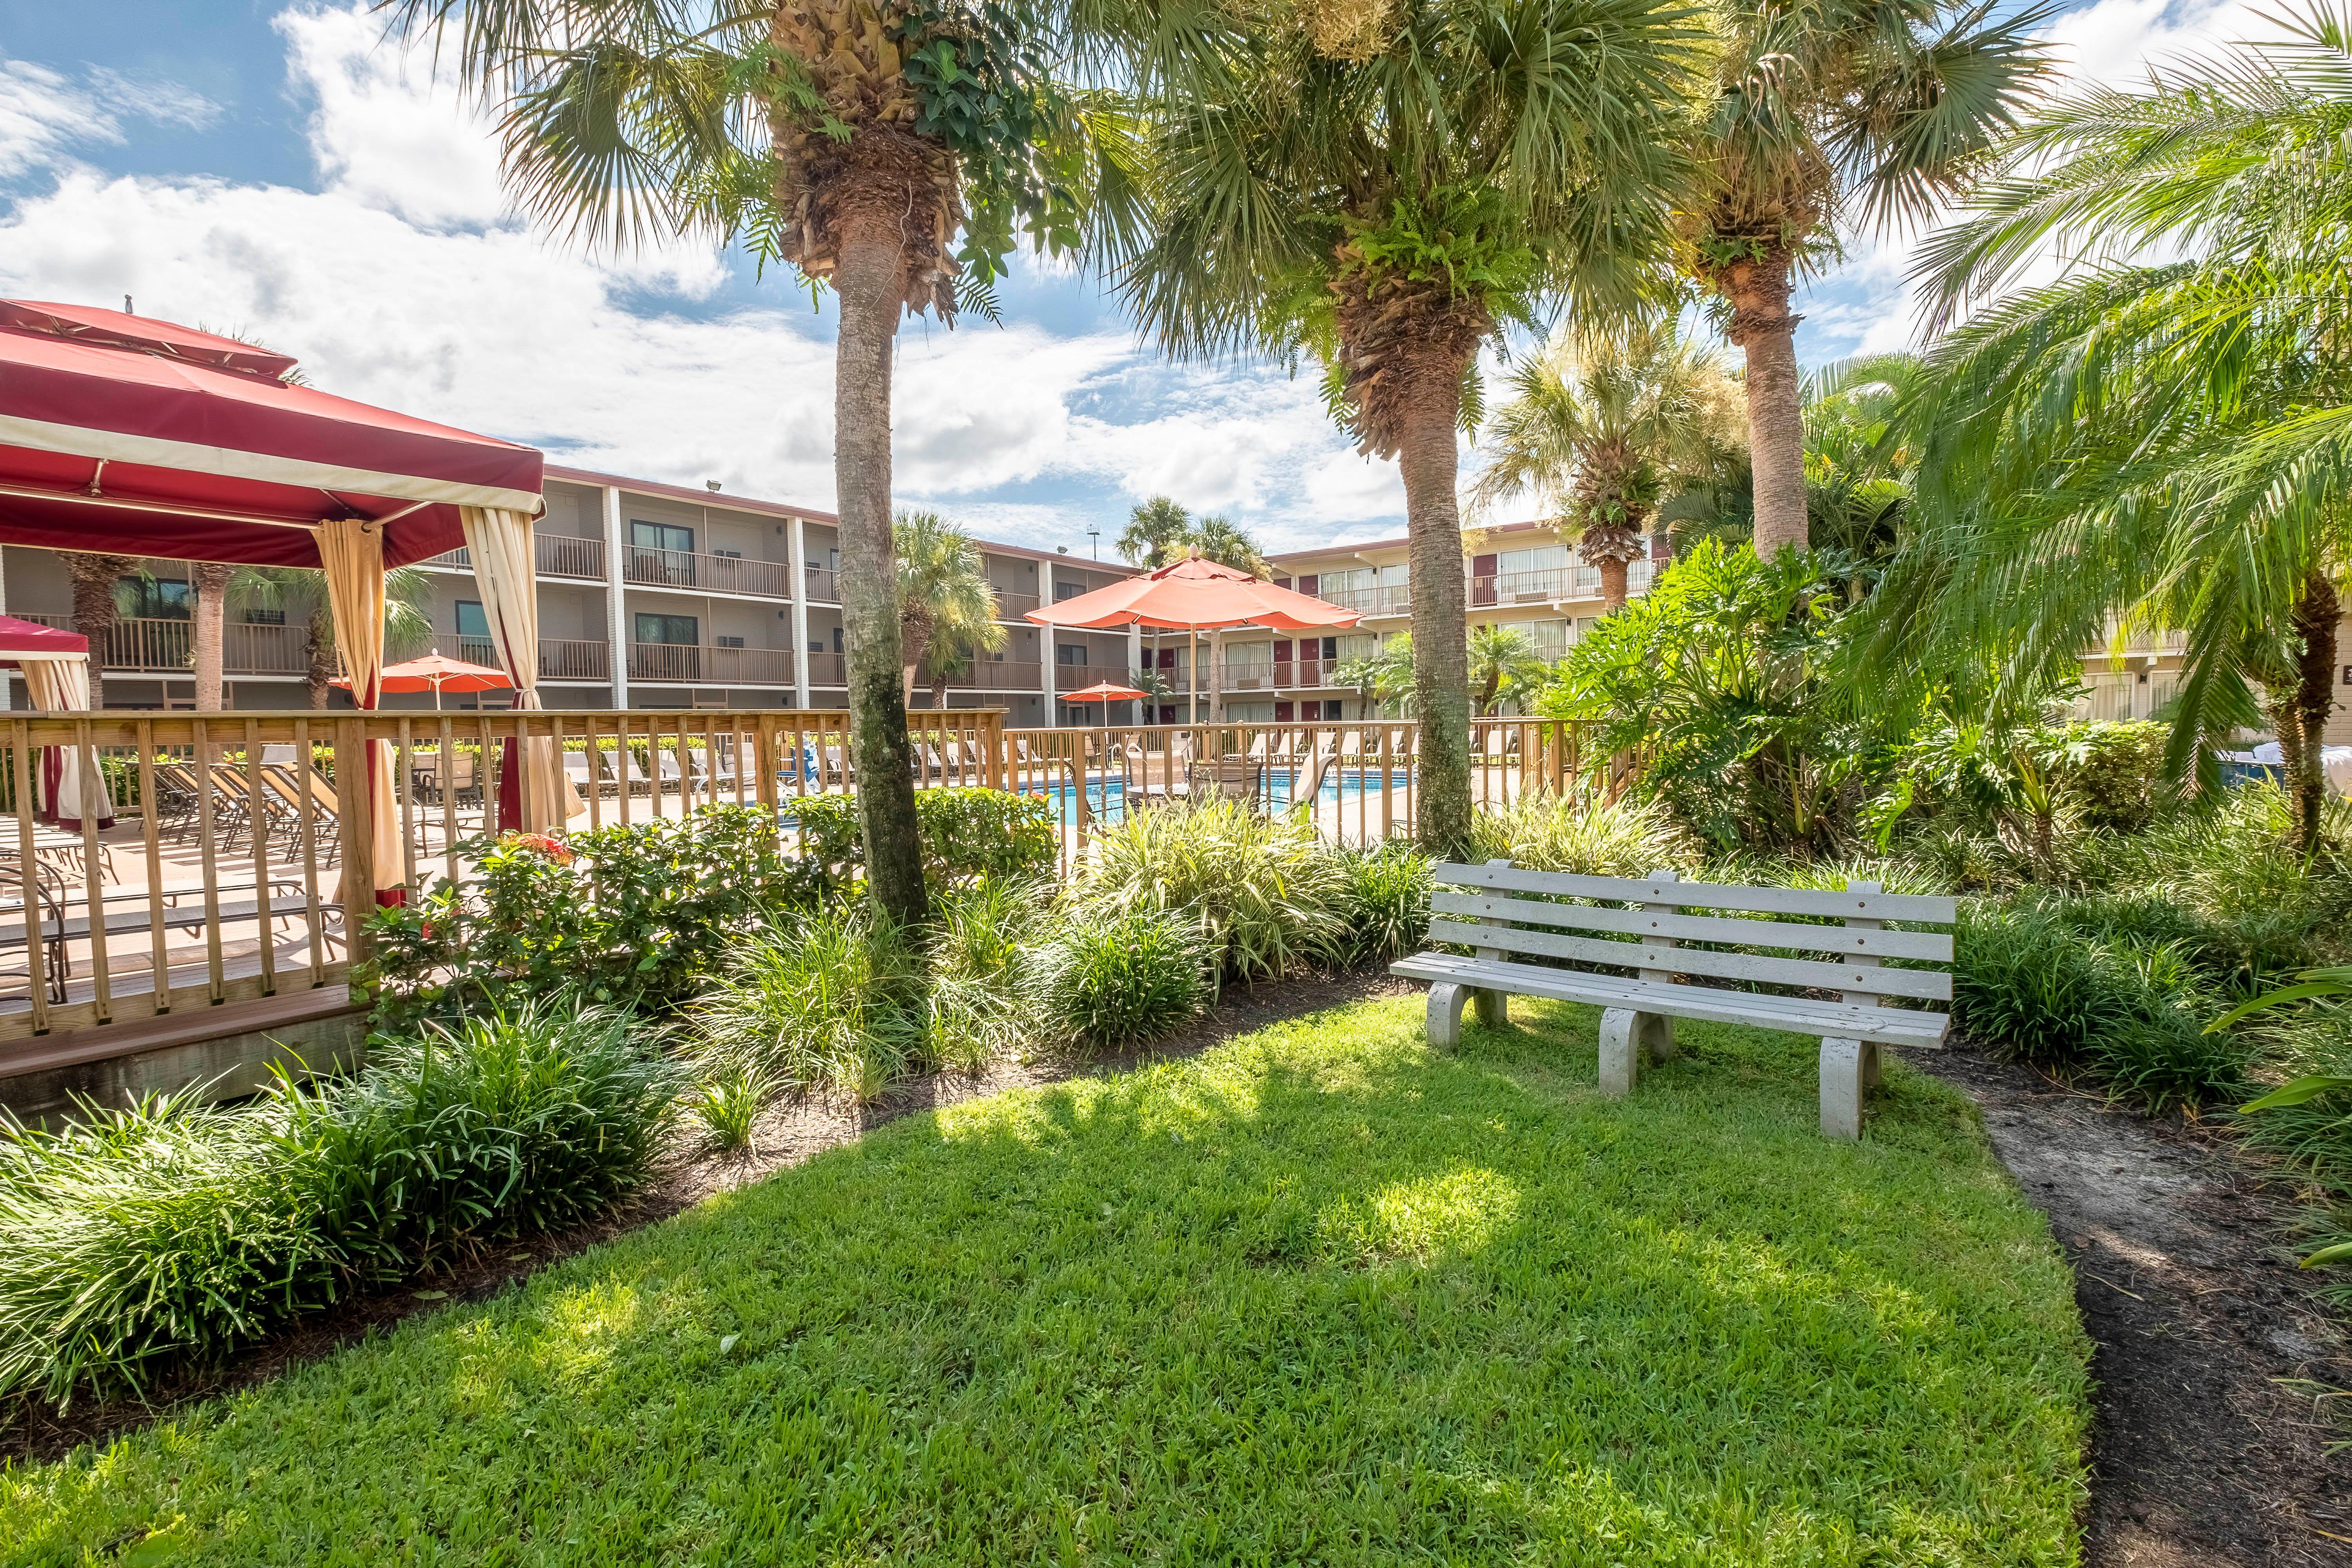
(827, 1003)
(1101, 986)
(1581, 834)
(1385, 905)
(1265, 893)
(134, 1237)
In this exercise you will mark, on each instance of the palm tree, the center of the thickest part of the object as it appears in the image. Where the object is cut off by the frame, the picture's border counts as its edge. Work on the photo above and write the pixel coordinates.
(855, 140)
(1152, 528)
(299, 594)
(1383, 186)
(96, 608)
(1504, 663)
(947, 606)
(1383, 676)
(1601, 427)
(1218, 538)
(1849, 115)
(210, 583)
(2163, 446)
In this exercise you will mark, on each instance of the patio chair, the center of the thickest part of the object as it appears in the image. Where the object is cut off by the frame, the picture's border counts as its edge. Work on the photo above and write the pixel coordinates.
(1229, 778)
(50, 896)
(298, 791)
(667, 774)
(575, 770)
(622, 772)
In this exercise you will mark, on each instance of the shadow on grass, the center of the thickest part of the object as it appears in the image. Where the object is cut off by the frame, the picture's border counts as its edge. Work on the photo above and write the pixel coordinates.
(1318, 1294)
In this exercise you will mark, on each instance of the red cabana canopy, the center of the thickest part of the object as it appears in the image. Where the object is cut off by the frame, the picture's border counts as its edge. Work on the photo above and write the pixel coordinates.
(142, 437)
(1194, 595)
(32, 639)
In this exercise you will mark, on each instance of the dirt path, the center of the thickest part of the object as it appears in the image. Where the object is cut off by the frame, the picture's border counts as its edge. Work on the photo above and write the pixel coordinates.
(2202, 1455)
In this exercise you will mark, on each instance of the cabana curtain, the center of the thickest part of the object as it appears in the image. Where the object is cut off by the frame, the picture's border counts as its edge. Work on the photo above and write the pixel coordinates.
(61, 685)
(352, 550)
(500, 543)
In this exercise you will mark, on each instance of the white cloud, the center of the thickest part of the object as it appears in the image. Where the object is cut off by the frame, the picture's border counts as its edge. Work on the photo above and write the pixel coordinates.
(44, 115)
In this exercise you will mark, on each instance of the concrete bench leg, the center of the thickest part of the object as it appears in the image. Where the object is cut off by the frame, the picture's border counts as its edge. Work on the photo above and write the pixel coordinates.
(1494, 1008)
(1628, 1041)
(1850, 1069)
(1445, 1000)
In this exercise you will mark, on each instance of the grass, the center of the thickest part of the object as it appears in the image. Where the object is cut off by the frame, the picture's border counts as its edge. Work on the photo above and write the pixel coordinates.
(1318, 1295)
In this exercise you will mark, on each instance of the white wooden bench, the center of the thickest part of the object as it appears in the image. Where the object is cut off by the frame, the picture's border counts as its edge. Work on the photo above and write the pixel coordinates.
(1504, 912)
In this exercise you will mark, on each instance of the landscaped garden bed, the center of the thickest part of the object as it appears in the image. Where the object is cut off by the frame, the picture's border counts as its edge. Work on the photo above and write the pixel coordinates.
(1318, 1292)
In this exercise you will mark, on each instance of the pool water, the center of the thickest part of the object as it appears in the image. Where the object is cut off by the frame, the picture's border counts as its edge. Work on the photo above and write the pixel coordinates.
(1108, 797)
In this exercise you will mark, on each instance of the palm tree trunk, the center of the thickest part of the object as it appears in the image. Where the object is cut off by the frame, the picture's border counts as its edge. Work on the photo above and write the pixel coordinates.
(212, 614)
(94, 577)
(2316, 613)
(914, 641)
(321, 666)
(939, 691)
(867, 280)
(1614, 570)
(1767, 334)
(1441, 652)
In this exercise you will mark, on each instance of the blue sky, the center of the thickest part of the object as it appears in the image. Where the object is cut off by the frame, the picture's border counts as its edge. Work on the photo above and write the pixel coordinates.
(283, 173)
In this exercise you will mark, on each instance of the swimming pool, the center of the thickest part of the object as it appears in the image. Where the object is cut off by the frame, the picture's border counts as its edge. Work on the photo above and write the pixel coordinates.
(1108, 797)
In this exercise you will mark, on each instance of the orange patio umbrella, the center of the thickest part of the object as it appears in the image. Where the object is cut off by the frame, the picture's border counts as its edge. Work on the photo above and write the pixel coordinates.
(1105, 693)
(438, 675)
(1194, 595)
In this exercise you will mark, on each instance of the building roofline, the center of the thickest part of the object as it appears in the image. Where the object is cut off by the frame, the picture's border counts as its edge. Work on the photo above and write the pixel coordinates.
(1389, 543)
(808, 514)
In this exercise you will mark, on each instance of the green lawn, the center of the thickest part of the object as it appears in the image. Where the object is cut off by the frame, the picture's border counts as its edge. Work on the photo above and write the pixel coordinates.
(1321, 1295)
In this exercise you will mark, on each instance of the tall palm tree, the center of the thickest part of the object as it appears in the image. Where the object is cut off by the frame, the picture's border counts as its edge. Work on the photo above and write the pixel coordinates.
(1504, 663)
(1838, 116)
(888, 151)
(947, 606)
(1601, 427)
(2162, 446)
(299, 594)
(96, 608)
(1383, 186)
(1219, 539)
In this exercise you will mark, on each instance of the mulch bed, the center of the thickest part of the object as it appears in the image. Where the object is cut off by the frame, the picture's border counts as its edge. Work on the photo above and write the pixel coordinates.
(2208, 1446)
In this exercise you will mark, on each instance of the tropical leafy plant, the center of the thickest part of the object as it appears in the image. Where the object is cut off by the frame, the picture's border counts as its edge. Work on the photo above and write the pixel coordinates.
(1584, 832)
(821, 1003)
(1102, 985)
(946, 605)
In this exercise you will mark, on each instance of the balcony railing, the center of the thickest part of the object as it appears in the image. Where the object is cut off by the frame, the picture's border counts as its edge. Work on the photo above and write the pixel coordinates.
(825, 585)
(557, 554)
(168, 647)
(1004, 675)
(1388, 599)
(1012, 607)
(560, 658)
(688, 664)
(703, 573)
(828, 669)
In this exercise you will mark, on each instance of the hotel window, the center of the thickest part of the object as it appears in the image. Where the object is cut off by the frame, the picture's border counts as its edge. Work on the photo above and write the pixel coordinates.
(471, 622)
(1069, 653)
(660, 536)
(668, 631)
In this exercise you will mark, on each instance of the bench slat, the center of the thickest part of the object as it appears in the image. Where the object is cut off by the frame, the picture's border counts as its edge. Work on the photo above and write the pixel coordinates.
(1884, 1026)
(1933, 908)
(1928, 985)
(1936, 946)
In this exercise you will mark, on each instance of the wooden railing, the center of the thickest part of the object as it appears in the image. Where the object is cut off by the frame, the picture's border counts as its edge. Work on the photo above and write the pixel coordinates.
(161, 646)
(692, 570)
(1012, 607)
(560, 658)
(252, 874)
(555, 555)
(1000, 675)
(693, 666)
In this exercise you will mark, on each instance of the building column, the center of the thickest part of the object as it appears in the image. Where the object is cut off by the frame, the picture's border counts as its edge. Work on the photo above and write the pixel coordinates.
(800, 615)
(1045, 636)
(617, 614)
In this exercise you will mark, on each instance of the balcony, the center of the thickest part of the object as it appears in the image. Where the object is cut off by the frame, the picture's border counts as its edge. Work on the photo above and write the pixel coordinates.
(1004, 675)
(1012, 607)
(688, 664)
(823, 585)
(1388, 599)
(167, 647)
(559, 658)
(828, 669)
(557, 554)
(693, 572)
(1524, 587)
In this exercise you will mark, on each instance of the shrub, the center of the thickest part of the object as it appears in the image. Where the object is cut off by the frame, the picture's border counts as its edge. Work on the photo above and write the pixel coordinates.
(973, 1004)
(821, 1001)
(965, 834)
(141, 1235)
(729, 1108)
(1265, 893)
(529, 1119)
(1581, 834)
(1385, 903)
(634, 915)
(2114, 773)
(1134, 979)
(169, 1231)
(2024, 982)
